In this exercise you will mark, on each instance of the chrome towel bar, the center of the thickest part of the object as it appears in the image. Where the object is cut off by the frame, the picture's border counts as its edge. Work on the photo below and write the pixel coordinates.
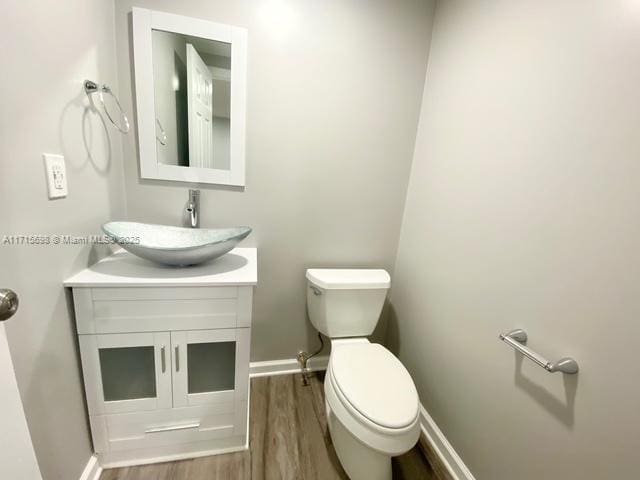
(517, 339)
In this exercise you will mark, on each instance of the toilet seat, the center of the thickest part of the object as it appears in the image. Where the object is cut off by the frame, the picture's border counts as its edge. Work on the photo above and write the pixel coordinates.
(375, 384)
(365, 400)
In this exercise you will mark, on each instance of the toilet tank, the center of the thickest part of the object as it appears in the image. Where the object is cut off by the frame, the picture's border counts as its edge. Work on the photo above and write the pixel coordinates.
(346, 302)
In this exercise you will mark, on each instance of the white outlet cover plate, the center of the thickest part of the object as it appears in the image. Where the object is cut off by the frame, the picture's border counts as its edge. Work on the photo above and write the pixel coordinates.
(56, 175)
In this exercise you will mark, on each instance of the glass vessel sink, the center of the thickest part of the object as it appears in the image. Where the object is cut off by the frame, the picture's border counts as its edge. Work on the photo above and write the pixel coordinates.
(174, 245)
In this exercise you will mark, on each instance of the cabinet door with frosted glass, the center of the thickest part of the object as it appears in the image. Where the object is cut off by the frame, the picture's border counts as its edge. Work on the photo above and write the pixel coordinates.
(210, 366)
(127, 372)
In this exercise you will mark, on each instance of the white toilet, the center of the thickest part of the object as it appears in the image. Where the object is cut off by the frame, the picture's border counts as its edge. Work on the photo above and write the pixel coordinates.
(372, 403)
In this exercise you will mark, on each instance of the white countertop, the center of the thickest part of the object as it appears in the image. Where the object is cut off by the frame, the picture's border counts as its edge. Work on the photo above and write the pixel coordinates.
(123, 269)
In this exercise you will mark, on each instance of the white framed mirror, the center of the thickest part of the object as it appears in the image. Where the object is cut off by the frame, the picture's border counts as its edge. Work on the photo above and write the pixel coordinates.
(190, 80)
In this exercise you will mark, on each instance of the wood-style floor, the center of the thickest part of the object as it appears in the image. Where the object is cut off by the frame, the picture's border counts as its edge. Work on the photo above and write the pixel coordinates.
(289, 440)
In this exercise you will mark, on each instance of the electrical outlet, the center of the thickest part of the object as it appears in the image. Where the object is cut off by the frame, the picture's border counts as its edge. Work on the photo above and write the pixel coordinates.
(56, 175)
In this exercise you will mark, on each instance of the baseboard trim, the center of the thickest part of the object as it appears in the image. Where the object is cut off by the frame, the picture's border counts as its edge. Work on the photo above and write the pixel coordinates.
(286, 366)
(92, 470)
(448, 457)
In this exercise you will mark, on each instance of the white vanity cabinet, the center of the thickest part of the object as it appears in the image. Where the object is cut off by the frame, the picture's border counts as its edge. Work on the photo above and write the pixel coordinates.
(165, 356)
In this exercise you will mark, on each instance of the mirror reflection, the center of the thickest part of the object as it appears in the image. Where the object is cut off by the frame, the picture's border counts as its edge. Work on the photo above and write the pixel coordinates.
(192, 92)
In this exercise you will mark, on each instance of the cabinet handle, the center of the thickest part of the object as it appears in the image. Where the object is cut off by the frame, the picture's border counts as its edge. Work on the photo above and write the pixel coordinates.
(177, 349)
(172, 428)
(163, 361)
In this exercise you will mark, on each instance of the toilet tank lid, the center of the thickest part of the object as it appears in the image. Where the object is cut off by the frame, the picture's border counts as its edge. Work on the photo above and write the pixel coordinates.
(349, 278)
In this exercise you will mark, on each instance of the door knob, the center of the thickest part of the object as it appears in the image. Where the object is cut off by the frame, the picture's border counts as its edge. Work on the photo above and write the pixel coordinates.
(8, 303)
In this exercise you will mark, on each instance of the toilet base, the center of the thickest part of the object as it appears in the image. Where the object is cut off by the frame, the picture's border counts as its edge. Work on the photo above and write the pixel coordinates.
(358, 460)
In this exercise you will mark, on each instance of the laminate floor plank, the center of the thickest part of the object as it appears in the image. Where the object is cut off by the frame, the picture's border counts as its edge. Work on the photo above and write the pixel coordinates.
(412, 465)
(216, 467)
(428, 453)
(319, 461)
(289, 440)
(257, 426)
(157, 471)
(280, 445)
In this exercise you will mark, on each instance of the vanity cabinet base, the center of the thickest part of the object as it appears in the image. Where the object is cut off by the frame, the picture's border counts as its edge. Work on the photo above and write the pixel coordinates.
(166, 370)
(170, 453)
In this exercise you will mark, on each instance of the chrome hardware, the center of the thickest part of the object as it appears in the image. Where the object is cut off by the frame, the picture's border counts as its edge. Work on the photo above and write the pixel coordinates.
(177, 353)
(315, 290)
(188, 426)
(163, 135)
(303, 359)
(91, 87)
(163, 360)
(193, 209)
(8, 303)
(517, 339)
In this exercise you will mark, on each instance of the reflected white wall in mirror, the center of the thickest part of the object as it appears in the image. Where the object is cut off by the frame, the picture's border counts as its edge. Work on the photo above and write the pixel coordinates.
(190, 90)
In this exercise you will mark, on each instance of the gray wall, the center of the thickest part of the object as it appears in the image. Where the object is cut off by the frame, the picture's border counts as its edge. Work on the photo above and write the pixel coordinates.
(523, 210)
(49, 49)
(334, 93)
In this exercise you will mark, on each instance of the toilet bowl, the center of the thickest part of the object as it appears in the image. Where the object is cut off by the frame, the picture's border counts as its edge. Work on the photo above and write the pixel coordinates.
(371, 401)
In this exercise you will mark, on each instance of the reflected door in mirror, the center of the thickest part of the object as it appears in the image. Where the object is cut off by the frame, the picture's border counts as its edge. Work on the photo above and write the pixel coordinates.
(192, 95)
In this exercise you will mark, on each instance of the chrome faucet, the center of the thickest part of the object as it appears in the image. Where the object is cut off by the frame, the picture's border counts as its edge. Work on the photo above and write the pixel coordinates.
(193, 209)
